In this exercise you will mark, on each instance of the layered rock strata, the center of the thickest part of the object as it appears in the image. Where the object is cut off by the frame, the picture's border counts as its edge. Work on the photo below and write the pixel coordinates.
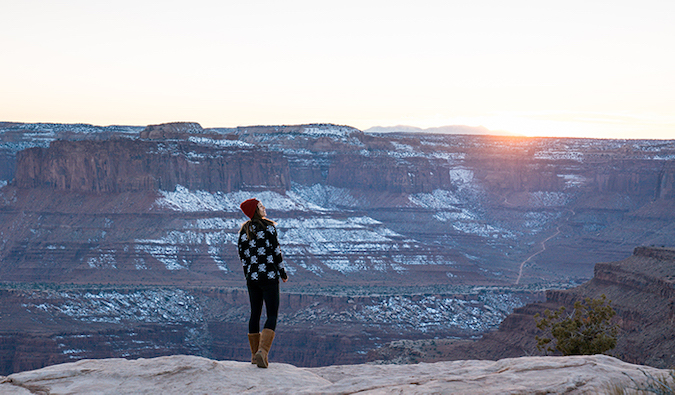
(413, 220)
(117, 166)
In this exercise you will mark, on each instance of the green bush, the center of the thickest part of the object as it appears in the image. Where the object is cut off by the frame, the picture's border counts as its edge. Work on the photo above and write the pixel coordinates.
(587, 330)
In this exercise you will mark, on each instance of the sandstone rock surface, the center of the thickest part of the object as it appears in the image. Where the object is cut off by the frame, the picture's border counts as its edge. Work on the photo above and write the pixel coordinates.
(182, 374)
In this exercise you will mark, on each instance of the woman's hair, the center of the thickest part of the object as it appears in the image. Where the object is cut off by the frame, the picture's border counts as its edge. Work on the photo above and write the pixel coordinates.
(257, 219)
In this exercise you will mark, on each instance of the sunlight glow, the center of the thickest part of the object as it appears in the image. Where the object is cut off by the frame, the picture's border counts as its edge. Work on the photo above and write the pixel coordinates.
(574, 68)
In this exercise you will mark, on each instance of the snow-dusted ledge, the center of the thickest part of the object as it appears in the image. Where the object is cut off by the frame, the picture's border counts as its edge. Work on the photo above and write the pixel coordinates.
(182, 374)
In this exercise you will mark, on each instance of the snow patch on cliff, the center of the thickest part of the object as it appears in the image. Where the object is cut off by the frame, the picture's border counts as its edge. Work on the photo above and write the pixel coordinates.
(344, 134)
(348, 245)
(202, 235)
(562, 153)
(326, 196)
(345, 245)
(182, 199)
(573, 180)
(328, 131)
(536, 221)
(166, 254)
(438, 199)
(547, 199)
(402, 147)
(205, 141)
(213, 224)
(453, 216)
(483, 230)
(105, 260)
(419, 314)
(322, 236)
(450, 209)
(334, 239)
(344, 265)
(155, 305)
(461, 175)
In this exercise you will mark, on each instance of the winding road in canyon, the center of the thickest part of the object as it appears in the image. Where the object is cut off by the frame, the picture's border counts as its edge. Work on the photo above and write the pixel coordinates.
(543, 248)
(542, 244)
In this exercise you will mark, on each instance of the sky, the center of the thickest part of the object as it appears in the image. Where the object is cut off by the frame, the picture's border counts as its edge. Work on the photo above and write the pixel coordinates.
(589, 68)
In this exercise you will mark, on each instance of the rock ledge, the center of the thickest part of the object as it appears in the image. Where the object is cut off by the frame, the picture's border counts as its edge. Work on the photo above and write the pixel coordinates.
(182, 374)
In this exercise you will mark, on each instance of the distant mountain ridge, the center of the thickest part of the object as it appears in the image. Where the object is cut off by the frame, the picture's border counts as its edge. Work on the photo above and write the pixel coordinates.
(448, 129)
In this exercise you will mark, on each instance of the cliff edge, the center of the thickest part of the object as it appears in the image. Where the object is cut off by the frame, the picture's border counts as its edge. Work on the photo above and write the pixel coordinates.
(182, 374)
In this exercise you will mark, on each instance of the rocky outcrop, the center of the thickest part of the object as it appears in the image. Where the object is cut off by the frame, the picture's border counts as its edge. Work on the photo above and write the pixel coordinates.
(124, 165)
(665, 188)
(184, 374)
(635, 177)
(657, 279)
(174, 130)
(519, 176)
(7, 166)
(385, 174)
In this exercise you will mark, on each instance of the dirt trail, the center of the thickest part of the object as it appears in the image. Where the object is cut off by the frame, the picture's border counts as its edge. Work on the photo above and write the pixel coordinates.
(543, 247)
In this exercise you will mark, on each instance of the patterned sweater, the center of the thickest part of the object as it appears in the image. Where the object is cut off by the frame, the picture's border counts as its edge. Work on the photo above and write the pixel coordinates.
(261, 257)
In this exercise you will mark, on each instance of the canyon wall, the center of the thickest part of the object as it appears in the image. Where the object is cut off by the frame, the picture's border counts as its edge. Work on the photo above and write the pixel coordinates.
(160, 205)
(169, 155)
(124, 165)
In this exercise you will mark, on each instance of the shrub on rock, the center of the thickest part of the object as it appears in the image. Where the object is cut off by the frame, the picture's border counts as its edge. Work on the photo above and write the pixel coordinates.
(587, 330)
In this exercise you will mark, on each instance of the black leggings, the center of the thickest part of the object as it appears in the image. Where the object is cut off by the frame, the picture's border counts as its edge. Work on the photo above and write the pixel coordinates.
(259, 292)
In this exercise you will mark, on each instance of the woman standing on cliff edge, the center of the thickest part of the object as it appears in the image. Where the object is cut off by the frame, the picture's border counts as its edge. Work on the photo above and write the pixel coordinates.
(261, 257)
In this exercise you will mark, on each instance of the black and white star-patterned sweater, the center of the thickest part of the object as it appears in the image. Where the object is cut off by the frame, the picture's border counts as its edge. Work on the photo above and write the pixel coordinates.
(261, 256)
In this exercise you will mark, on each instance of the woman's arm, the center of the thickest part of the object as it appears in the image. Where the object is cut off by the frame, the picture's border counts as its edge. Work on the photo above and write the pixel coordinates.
(243, 239)
(278, 257)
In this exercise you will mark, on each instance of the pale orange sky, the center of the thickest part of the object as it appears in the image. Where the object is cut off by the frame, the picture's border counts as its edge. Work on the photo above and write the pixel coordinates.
(573, 68)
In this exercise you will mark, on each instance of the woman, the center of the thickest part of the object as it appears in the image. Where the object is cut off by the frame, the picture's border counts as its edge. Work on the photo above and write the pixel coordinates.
(261, 257)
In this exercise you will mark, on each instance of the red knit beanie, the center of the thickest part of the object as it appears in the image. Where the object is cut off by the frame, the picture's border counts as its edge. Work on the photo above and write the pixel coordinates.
(249, 206)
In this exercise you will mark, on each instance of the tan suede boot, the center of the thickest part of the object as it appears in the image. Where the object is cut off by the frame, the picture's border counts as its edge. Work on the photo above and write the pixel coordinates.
(266, 338)
(254, 342)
